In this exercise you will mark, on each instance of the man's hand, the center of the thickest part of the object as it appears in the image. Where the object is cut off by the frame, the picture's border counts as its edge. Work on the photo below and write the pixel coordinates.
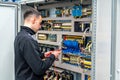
(56, 53)
(47, 54)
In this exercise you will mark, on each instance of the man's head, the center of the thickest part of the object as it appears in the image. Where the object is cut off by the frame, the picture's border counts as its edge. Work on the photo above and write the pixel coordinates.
(32, 19)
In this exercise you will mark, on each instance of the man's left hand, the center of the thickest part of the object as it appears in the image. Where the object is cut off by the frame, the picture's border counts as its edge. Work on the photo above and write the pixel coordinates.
(47, 54)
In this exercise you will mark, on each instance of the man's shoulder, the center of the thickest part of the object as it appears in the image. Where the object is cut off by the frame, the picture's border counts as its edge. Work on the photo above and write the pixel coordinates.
(23, 36)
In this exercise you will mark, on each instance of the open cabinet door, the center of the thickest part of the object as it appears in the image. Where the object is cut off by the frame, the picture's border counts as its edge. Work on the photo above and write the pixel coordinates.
(8, 29)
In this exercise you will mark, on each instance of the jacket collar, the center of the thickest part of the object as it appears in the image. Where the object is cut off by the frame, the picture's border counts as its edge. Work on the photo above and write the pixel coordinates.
(27, 29)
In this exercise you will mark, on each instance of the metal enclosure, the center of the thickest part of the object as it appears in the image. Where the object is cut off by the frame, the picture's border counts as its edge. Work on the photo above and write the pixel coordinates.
(101, 40)
(8, 25)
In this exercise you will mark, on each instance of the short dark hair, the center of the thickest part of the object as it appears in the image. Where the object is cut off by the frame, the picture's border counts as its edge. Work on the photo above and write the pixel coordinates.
(31, 11)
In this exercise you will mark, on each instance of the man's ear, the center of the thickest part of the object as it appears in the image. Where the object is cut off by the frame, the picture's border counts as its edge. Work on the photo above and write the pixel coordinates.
(33, 19)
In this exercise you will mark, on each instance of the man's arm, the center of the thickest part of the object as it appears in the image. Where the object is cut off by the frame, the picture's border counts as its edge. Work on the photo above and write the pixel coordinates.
(34, 61)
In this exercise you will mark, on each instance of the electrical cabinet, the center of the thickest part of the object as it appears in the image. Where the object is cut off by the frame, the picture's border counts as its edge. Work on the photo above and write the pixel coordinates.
(82, 29)
(67, 26)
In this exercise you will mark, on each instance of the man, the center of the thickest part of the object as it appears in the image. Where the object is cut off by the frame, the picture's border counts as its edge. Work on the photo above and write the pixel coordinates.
(28, 58)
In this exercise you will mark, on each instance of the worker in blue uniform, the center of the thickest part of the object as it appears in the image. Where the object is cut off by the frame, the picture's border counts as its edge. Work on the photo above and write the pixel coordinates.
(29, 63)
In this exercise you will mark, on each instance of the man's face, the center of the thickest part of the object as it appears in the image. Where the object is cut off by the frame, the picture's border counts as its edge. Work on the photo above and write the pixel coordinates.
(37, 24)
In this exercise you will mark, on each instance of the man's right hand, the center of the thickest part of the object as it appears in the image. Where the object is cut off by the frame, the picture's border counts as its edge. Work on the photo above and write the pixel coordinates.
(56, 53)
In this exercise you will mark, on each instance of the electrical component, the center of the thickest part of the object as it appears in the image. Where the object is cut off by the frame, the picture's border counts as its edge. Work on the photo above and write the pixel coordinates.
(66, 12)
(44, 13)
(42, 36)
(52, 76)
(85, 64)
(88, 46)
(86, 11)
(45, 47)
(72, 47)
(79, 39)
(52, 37)
(46, 25)
(52, 12)
(75, 60)
(48, 74)
(87, 77)
(80, 11)
(63, 11)
(48, 37)
(57, 26)
(66, 58)
(82, 26)
(64, 75)
(59, 11)
(77, 11)
(77, 51)
(71, 59)
(66, 26)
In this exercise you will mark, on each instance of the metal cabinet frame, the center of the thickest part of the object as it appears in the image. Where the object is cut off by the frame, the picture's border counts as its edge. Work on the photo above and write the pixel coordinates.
(103, 37)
